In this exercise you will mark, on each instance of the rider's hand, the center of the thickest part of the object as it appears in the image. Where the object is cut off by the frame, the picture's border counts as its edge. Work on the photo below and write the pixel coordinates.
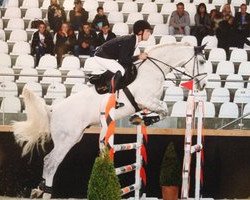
(143, 56)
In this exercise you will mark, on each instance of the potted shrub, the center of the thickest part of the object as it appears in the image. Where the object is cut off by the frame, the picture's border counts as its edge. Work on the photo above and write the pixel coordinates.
(170, 174)
(103, 183)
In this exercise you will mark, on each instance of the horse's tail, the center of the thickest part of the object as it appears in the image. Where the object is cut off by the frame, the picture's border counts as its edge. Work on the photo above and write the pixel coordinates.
(36, 129)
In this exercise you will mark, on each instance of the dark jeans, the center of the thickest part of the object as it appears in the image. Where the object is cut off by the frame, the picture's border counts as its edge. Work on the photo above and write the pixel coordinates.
(39, 52)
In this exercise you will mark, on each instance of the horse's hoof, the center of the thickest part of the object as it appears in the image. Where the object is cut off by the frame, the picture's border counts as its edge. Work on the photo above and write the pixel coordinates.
(46, 196)
(36, 193)
(135, 120)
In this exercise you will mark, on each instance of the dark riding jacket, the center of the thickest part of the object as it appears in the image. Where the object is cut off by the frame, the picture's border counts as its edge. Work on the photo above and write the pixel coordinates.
(120, 49)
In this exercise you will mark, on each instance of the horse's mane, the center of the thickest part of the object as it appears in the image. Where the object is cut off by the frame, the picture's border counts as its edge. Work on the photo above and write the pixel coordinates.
(154, 48)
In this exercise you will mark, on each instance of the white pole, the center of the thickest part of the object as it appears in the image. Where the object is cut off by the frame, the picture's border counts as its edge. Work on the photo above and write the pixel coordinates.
(198, 153)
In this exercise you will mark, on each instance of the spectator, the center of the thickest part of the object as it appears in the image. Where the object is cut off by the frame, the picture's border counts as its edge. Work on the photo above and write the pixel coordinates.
(65, 41)
(179, 21)
(226, 11)
(99, 19)
(87, 41)
(56, 16)
(202, 23)
(106, 34)
(42, 42)
(78, 15)
(242, 24)
(216, 18)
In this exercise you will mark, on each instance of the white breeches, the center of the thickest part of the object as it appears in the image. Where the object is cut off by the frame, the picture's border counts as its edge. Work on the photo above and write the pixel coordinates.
(98, 65)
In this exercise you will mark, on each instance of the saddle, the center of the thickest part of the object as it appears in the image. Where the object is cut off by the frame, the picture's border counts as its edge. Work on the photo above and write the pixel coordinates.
(102, 82)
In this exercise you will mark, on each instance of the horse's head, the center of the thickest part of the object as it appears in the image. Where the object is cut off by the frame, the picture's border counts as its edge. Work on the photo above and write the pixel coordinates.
(180, 56)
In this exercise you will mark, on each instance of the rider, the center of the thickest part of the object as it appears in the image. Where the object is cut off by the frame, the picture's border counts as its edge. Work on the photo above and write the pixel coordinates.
(115, 57)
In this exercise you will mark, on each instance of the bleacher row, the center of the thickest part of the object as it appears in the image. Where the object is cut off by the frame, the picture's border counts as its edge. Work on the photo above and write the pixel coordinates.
(224, 100)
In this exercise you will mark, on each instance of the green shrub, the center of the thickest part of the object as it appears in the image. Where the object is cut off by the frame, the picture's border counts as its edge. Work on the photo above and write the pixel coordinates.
(104, 184)
(170, 174)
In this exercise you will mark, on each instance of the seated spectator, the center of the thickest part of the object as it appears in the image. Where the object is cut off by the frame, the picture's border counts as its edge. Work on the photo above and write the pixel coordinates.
(216, 18)
(242, 24)
(226, 10)
(99, 19)
(202, 23)
(179, 21)
(105, 35)
(65, 41)
(56, 16)
(78, 15)
(42, 42)
(87, 41)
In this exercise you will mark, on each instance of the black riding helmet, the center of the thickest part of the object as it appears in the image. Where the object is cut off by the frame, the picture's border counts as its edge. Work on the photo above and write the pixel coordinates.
(141, 25)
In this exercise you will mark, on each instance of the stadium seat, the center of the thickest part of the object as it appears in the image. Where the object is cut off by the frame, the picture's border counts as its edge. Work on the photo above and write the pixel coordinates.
(26, 79)
(56, 91)
(183, 1)
(242, 95)
(51, 72)
(30, 4)
(173, 94)
(46, 62)
(110, 6)
(92, 14)
(168, 8)
(179, 109)
(149, 42)
(190, 8)
(21, 48)
(4, 47)
(246, 111)
(115, 17)
(7, 71)
(8, 89)
(78, 87)
(90, 5)
(210, 7)
(209, 110)
(10, 105)
(160, 30)
(238, 2)
(200, 96)
(120, 29)
(70, 63)
(142, 1)
(57, 101)
(208, 67)
(217, 54)
(10, 3)
(238, 55)
(33, 13)
(129, 7)
(219, 2)
(24, 61)
(69, 5)
(162, 1)
(2, 35)
(18, 36)
(149, 7)
(15, 24)
(168, 39)
(12, 13)
(244, 69)
(225, 68)
(229, 110)
(5, 60)
(72, 81)
(220, 95)
(133, 17)
(210, 41)
(234, 85)
(191, 40)
(197, 2)
(169, 82)
(155, 18)
(34, 87)
(45, 4)
(1, 23)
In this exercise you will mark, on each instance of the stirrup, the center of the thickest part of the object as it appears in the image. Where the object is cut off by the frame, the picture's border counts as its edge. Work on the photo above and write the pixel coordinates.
(118, 105)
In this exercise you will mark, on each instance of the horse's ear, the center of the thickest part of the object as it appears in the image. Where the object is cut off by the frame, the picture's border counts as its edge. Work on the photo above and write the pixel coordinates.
(198, 49)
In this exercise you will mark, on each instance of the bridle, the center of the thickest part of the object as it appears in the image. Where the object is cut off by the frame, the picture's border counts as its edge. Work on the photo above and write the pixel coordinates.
(192, 77)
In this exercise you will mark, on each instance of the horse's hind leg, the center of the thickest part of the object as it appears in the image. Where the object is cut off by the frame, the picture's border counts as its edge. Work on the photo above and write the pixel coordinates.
(63, 142)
